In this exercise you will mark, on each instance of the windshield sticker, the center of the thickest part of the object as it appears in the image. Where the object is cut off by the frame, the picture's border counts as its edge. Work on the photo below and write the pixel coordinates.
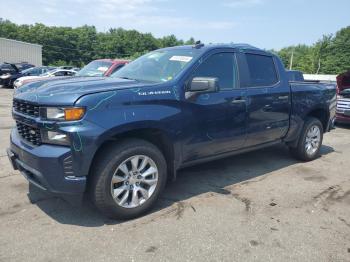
(102, 68)
(180, 58)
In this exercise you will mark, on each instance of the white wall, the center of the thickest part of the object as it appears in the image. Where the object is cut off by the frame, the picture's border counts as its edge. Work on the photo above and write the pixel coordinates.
(13, 51)
(329, 78)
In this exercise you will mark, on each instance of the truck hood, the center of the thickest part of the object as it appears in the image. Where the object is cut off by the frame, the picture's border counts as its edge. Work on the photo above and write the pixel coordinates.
(66, 91)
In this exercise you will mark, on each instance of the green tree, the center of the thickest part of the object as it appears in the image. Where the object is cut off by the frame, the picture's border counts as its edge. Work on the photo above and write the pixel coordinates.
(329, 55)
(78, 46)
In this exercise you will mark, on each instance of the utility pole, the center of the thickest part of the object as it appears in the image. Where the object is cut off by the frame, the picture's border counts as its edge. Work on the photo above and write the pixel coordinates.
(291, 60)
(319, 65)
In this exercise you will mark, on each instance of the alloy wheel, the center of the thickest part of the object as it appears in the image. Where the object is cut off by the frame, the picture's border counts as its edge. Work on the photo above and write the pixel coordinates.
(313, 139)
(134, 181)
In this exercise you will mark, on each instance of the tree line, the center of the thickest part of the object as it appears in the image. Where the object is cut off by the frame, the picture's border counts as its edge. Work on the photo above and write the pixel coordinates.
(329, 55)
(78, 46)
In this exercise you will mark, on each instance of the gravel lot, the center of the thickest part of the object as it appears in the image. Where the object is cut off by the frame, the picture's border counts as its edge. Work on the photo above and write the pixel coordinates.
(260, 206)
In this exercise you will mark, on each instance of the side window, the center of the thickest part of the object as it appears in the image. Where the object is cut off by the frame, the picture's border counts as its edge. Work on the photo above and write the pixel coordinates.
(222, 66)
(60, 73)
(35, 71)
(262, 71)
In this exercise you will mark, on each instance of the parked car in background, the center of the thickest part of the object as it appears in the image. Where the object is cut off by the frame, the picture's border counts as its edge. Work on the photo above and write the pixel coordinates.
(9, 72)
(343, 101)
(69, 68)
(96, 68)
(120, 138)
(33, 71)
(102, 67)
(49, 74)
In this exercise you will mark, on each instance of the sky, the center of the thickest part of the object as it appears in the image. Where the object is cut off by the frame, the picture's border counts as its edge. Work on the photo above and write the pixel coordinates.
(269, 24)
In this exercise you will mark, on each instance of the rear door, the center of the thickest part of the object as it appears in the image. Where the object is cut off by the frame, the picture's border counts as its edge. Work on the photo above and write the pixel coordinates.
(216, 120)
(268, 98)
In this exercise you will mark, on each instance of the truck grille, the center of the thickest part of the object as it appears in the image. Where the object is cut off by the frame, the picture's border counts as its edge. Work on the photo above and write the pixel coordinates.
(28, 133)
(26, 108)
(343, 104)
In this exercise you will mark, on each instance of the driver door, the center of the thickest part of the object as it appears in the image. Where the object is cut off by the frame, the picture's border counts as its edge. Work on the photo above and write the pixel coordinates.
(216, 120)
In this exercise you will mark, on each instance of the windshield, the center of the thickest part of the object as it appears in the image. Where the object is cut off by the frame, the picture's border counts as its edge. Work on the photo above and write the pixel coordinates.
(95, 68)
(29, 70)
(158, 66)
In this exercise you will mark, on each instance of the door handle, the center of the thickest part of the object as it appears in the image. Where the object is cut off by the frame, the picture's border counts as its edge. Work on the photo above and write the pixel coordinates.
(267, 108)
(238, 100)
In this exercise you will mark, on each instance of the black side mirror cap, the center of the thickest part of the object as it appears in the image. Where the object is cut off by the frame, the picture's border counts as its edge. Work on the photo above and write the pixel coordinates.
(204, 84)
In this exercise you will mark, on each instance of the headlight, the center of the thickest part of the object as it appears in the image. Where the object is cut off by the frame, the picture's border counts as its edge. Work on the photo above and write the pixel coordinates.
(18, 83)
(65, 114)
(52, 137)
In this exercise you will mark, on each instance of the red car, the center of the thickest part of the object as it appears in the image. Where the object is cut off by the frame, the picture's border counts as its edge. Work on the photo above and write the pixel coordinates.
(102, 67)
(343, 101)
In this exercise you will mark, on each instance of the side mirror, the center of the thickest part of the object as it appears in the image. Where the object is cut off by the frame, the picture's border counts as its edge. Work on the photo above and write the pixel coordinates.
(204, 84)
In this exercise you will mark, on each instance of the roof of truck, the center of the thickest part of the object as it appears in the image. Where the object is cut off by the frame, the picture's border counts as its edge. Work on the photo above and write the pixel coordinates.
(207, 47)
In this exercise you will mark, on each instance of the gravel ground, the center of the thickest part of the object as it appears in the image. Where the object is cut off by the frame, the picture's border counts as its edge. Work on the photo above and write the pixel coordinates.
(259, 206)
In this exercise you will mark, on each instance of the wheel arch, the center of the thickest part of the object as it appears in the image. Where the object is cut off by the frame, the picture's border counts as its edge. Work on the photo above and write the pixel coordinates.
(154, 135)
(321, 114)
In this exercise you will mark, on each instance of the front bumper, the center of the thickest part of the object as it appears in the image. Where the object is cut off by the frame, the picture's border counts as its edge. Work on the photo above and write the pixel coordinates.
(343, 110)
(45, 166)
(5, 82)
(340, 118)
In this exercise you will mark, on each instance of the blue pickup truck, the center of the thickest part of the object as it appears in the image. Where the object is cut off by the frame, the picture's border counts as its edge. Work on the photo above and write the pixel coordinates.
(120, 139)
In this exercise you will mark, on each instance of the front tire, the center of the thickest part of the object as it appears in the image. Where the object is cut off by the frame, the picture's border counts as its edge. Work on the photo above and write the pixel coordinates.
(127, 178)
(310, 140)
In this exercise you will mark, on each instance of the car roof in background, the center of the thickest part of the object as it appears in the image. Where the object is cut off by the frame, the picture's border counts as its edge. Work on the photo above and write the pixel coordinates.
(115, 61)
(60, 70)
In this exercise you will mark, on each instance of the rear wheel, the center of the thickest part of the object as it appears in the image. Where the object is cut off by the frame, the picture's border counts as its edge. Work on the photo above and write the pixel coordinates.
(128, 178)
(310, 140)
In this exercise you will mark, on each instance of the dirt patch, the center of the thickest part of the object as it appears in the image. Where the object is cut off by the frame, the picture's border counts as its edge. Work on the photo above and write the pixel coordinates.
(180, 209)
(253, 243)
(344, 221)
(244, 200)
(151, 249)
(315, 178)
(302, 170)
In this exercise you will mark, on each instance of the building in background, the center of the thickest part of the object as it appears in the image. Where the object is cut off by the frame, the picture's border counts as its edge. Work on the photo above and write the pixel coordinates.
(13, 51)
(321, 78)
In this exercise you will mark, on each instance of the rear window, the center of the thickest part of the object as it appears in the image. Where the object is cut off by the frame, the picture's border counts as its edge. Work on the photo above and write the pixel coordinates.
(262, 71)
